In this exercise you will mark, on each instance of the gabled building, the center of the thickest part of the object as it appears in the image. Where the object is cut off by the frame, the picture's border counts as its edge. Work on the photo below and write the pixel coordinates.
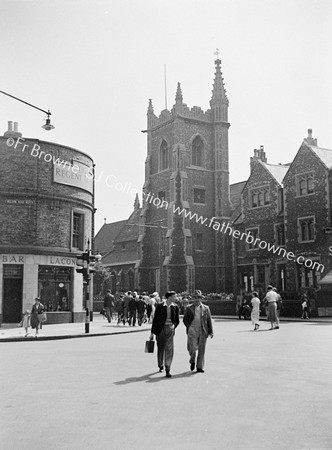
(120, 240)
(307, 194)
(261, 217)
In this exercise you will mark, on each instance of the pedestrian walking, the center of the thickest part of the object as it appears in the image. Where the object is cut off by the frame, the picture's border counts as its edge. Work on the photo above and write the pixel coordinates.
(119, 307)
(153, 304)
(132, 307)
(166, 319)
(305, 307)
(109, 305)
(198, 321)
(141, 307)
(255, 303)
(271, 299)
(37, 312)
(25, 322)
(279, 305)
(126, 301)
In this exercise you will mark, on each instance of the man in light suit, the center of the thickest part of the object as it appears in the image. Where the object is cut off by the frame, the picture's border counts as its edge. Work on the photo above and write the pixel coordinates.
(198, 321)
(165, 320)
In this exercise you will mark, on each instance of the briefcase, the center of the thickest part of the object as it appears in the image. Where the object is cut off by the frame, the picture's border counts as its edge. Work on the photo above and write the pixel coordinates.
(149, 346)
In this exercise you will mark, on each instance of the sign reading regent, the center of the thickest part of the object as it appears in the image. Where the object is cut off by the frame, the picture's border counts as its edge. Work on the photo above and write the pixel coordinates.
(81, 178)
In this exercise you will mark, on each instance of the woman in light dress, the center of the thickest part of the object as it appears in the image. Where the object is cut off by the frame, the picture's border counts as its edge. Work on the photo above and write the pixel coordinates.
(255, 303)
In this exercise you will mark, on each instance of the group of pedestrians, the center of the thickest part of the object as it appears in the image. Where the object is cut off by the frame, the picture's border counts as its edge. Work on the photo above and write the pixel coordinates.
(35, 318)
(273, 303)
(130, 307)
(198, 322)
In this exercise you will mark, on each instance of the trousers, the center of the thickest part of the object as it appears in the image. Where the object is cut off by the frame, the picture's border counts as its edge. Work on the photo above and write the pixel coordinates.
(165, 343)
(196, 341)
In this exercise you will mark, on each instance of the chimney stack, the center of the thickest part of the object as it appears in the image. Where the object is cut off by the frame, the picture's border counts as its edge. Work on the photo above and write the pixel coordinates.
(310, 140)
(12, 132)
(259, 155)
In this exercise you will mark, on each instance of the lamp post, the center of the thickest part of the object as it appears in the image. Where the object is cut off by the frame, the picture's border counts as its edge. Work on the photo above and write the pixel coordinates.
(47, 126)
(85, 265)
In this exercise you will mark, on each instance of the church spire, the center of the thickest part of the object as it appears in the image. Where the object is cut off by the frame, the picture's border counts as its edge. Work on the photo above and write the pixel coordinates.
(150, 107)
(219, 101)
(136, 203)
(151, 115)
(178, 97)
(178, 107)
(218, 91)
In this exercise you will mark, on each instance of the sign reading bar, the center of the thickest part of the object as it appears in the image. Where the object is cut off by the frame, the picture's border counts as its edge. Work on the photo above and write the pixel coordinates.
(78, 175)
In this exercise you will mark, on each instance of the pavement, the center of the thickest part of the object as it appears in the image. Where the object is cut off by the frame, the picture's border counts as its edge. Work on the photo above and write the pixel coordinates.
(260, 390)
(100, 327)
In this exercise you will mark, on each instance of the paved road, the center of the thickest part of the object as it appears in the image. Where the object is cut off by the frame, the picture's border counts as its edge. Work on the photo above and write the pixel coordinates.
(261, 390)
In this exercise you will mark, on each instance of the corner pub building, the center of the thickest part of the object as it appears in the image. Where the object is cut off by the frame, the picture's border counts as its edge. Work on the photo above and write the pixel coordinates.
(46, 220)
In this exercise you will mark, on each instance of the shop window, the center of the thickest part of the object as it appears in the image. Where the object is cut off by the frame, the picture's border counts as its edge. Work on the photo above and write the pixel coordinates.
(306, 229)
(55, 287)
(78, 230)
(199, 195)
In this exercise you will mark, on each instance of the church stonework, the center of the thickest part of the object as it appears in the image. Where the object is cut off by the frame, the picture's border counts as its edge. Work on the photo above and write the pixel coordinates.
(186, 181)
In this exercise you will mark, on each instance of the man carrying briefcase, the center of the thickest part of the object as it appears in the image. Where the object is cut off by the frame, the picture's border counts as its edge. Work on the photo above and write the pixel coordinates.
(165, 320)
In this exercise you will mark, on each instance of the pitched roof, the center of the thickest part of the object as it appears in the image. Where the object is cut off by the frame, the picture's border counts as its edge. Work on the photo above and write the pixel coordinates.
(130, 229)
(324, 154)
(117, 258)
(235, 192)
(278, 171)
(106, 235)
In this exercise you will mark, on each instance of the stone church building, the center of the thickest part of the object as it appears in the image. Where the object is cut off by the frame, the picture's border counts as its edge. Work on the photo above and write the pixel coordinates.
(174, 241)
(186, 182)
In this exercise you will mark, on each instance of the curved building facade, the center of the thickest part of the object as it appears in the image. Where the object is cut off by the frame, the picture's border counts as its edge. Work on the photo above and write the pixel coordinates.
(46, 219)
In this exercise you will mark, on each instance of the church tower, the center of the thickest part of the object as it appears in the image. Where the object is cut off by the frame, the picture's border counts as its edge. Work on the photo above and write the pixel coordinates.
(186, 190)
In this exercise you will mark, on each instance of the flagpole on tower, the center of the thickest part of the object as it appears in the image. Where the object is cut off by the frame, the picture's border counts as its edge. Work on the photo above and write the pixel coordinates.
(165, 86)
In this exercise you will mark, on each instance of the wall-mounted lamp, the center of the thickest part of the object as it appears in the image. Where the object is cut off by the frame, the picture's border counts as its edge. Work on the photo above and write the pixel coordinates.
(48, 126)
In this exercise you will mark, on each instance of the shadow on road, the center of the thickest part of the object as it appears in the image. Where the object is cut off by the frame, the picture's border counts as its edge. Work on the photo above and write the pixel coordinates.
(148, 378)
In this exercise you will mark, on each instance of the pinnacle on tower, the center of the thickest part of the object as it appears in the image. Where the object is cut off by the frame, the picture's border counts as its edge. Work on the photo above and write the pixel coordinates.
(136, 203)
(178, 97)
(218, 91)
(150, 107)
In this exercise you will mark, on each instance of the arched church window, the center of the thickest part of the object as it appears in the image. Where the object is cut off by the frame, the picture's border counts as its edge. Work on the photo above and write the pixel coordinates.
(197, 152)
(164, 162)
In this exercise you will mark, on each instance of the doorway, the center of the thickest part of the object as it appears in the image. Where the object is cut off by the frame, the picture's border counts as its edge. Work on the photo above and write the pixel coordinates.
(12, 292)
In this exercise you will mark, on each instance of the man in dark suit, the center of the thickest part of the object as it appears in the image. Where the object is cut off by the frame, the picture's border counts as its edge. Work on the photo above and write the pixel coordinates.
(197, 319)
(165, 320)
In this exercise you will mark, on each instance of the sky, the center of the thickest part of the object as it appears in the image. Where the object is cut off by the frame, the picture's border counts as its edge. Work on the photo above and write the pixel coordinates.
(95, 65)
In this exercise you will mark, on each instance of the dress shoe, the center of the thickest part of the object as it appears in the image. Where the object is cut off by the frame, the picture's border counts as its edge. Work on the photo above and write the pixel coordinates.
(192, 366)
(168, 375)
(161, 368)
(200, 370)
